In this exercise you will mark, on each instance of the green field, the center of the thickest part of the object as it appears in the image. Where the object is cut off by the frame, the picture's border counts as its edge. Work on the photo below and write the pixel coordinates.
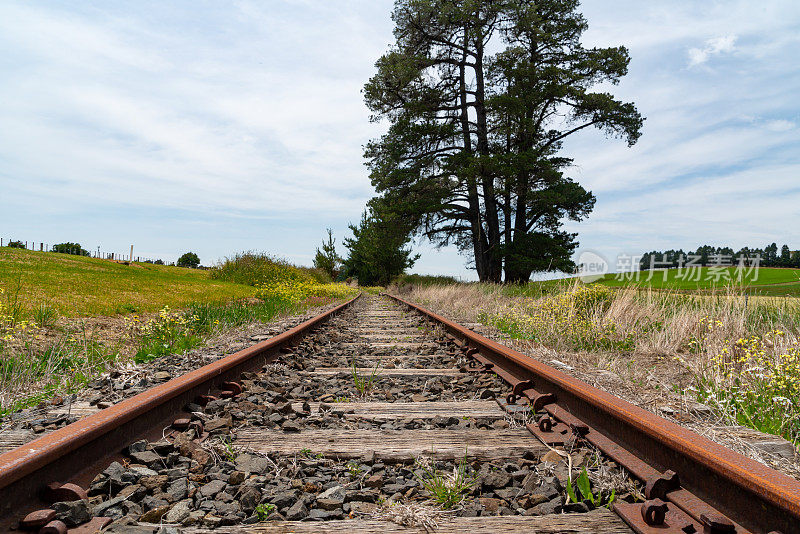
(78, 286)
(765, 281)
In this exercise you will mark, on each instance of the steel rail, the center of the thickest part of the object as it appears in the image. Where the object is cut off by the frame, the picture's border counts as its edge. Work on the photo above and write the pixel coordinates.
(76, 452)
(712, 478)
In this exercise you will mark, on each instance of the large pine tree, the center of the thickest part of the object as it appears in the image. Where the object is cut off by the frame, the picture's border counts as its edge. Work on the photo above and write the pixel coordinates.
(471, 155)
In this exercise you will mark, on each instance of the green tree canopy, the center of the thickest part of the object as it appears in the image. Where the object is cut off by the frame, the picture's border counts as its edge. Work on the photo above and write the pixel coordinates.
(471, 155)
(70, 248)
(377, 250)
(189, 259)
(327, 259)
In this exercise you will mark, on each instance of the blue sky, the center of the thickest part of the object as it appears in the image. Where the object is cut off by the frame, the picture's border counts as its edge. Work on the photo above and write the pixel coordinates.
(225, 126)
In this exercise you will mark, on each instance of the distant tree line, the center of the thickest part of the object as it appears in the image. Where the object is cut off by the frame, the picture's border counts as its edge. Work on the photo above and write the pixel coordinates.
(706, 255)
(189, 259)
(71, 248)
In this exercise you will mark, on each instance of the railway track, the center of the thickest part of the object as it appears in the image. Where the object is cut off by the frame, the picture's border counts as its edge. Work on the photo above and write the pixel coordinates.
(357, 421)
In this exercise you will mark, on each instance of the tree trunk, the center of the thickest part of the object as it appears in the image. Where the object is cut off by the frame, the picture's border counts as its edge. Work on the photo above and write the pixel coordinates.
(479, 244)
(494, 259)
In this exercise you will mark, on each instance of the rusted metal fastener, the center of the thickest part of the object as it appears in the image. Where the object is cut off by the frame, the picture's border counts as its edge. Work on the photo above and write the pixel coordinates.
(471, 352)
(716, 524)
(197, 426)
(202, 400)
(517, 391)
(545, 424)
(181, 424)
(58, 492)
(54, 527)
(658, 486)
(485, 368)
(543, 400)
(236, 387)
(579, 429)
(654, 511)
(37, 519)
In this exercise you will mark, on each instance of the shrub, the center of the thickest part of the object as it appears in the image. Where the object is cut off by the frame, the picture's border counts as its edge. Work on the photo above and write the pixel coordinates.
(16, 244)
(70, 248)
(255, 268)
(293, 291)
(189, 259)
(319, 275)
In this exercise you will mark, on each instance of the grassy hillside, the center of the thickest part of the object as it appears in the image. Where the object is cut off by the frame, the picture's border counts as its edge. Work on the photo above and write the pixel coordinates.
(80, 286)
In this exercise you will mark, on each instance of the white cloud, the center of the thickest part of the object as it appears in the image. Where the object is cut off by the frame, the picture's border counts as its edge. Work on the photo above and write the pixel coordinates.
(780, 125)
(236, 126)
(713, 47)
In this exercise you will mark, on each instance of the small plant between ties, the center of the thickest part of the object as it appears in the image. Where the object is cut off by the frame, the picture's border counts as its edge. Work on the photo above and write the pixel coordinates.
(446, 489)
(264, 510)
(364, 384)
(584, 491)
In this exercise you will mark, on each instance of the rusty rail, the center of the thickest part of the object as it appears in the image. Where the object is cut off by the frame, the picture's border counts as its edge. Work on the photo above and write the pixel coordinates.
(78, 451)
(693, 484)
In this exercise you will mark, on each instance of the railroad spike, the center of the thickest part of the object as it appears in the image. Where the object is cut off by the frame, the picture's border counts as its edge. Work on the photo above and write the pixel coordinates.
(181, 424)
(654, 512)
(203, 400)
(543, 400)
(230, 390)
(197, 426)
(579, 429)
(37, 519)
(520, 387)
(717, 524)
(54, 527)
(545, 424)
(657, 486)
(58, 492)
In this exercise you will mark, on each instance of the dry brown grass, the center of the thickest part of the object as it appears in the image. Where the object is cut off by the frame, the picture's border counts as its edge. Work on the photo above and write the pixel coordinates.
(663, 325)
(662, 344)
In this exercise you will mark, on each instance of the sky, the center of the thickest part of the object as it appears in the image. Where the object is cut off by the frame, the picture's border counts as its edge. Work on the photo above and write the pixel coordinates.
(219, 127)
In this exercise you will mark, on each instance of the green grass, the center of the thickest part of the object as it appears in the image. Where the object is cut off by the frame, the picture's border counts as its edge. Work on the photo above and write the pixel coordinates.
(424, 280)
(76, 286)
(178, 332)
(445, 489)
(770, 281)
(36, 364)
(669, 279)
